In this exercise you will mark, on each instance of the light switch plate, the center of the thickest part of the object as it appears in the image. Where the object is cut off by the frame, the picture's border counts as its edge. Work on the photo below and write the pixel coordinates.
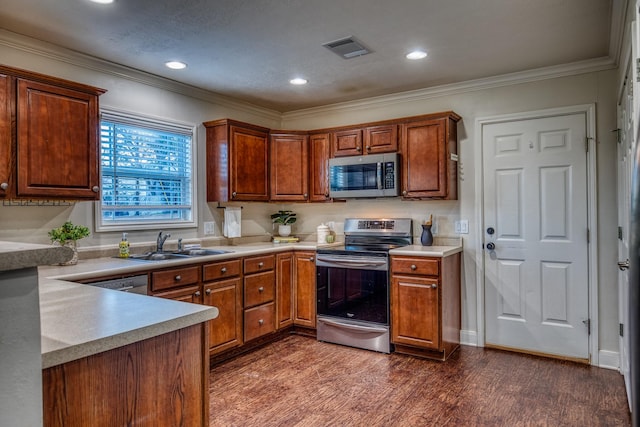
(462, 226)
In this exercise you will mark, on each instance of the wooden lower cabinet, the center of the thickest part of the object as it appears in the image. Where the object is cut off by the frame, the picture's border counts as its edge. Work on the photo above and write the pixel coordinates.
(259, 321)
(425, 305)
(259, 296)
(225, 331)
(304, 289)
(284, 290)
(160, 381)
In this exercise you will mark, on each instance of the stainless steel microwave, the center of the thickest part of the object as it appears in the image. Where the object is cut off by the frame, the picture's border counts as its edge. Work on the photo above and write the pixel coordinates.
(375, 175)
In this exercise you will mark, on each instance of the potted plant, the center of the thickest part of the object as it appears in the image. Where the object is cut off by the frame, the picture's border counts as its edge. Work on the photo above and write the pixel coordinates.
(284, 219)
(68, 235)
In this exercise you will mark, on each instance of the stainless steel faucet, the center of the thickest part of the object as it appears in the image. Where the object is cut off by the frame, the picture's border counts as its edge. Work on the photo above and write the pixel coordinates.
(161, 240)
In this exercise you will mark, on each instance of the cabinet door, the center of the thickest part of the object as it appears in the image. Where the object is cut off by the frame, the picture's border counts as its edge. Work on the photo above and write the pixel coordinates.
(289, 162)
(249, 179)
(347, 143)
(190, 294)
(284, 290)
(225, 331)
(57, 142)
(320, 150)
(381, 139)
(425, 160)
(6, 119)
(415, 311)
(305, 289)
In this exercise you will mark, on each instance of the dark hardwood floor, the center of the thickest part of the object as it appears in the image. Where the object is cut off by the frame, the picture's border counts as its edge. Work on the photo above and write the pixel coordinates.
(298, 381)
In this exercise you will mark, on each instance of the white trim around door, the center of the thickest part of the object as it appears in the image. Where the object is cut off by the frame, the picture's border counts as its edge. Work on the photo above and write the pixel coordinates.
(589, 111)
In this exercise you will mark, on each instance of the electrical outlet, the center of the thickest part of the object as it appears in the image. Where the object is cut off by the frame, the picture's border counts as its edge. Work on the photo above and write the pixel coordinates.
(210, 227)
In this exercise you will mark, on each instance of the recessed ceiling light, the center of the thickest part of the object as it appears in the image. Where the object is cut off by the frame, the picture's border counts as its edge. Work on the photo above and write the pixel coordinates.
(102, 1)
(298, 81)
(417, 54)
(175, 65)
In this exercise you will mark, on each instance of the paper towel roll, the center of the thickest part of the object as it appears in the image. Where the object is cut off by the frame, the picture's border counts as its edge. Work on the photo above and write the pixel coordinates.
(232, 220)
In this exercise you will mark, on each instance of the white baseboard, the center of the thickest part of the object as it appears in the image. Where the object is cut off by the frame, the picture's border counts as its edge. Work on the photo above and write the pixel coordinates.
(468, 337)
(609, 359)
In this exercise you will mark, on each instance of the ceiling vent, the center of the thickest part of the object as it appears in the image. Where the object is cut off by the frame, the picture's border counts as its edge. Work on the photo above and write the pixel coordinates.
(347, 48)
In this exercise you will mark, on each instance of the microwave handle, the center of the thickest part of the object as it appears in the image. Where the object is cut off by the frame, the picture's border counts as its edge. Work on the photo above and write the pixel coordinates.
(379, 175)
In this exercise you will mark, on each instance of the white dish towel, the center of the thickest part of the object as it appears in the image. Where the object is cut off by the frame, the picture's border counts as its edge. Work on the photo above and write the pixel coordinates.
(232, 220)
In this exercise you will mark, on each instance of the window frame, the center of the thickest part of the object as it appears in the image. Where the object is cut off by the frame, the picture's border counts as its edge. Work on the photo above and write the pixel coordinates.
(156, 123)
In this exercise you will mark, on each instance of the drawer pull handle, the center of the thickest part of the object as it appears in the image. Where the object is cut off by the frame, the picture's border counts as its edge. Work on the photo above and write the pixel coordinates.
(261, 264)
(95, 189)
(178, 278)
(4, 185)
(311, 259)
(234, 194)
(434, 286)
(223, 270)
(197, 293)
(413, 267)
(260, 322)
(208, 292)
(261, 289)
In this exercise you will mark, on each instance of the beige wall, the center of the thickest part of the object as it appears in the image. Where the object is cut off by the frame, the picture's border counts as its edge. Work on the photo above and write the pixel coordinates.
(31, 223)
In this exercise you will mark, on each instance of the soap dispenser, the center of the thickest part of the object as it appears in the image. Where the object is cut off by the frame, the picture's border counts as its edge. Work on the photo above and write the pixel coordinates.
(124, 246)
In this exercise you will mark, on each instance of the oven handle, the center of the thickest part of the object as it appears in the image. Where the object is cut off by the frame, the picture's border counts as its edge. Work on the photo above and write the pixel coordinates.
(354, 328)
(333, 262)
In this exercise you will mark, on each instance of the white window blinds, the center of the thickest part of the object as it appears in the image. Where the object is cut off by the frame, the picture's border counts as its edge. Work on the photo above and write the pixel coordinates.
(146, 171)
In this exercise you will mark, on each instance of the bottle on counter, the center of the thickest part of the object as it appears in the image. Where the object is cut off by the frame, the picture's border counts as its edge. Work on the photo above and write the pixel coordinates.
(124, 246)
(323, 231)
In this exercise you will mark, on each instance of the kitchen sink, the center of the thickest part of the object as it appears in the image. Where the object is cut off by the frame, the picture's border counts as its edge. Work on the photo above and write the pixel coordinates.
(157, 256)
(202, 252)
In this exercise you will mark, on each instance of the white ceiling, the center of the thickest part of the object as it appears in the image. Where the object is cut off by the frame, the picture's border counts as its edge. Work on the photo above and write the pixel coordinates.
(249, 49)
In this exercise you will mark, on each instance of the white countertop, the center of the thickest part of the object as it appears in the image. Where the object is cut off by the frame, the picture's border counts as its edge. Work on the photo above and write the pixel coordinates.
(14, 256)
(426, 251)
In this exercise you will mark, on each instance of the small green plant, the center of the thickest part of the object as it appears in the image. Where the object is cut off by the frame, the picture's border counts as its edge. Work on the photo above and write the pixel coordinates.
(283, 217)
(68, 231)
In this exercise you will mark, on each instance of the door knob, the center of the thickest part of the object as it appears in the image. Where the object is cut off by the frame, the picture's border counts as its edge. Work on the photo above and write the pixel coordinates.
(623, 265)
(490, 230)
(491, 246)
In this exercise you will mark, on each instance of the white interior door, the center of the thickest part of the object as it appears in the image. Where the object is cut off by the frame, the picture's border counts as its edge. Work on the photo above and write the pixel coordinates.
(535, 218)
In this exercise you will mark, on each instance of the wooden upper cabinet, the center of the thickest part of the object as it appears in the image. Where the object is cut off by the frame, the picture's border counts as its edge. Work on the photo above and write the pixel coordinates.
(320, 151)
(381, 139)
(289, 166)
(48, 137)
(6, 119)
(430, 158)
(237, 161)
(346, 143)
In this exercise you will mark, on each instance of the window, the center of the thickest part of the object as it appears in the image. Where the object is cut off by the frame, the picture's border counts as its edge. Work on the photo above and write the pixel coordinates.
(146, 172)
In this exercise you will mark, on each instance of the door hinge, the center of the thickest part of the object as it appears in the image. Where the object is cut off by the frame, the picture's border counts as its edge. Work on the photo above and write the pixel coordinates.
(621, 329)
(586, 144)
(587, 323)
(619, 233)
(588, 236)
(638, 69)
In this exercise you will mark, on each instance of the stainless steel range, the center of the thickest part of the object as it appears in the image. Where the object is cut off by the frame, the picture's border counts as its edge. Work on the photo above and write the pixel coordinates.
(353, 283)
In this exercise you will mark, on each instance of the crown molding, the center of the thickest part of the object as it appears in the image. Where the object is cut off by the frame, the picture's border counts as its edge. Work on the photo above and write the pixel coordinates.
(617, 28)
(57, 53)
(575, 68)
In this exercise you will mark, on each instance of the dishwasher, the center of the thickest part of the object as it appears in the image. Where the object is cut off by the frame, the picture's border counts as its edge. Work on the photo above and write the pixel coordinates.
(135, 284)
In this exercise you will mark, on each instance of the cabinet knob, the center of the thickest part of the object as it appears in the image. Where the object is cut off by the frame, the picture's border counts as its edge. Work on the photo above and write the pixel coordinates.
(95, 189)
(197, 293)
(358, 149)
(178, 278)
(305, 195)
(260, 322)
(414, 267)
(4, 185)
(234, 194)
(368, 148)
(404, 193)
(261, 289)
(223, 270)
(261, 264)
(326, 195)
(434, 286)
(311, 259)
(208, 292)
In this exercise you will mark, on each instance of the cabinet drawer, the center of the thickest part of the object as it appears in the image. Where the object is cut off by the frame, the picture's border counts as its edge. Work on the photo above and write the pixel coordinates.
(259, 288)
(174, 278)
(190, 294)
(420, 266)
(259, 321)
(221, 270)
(258, 264)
